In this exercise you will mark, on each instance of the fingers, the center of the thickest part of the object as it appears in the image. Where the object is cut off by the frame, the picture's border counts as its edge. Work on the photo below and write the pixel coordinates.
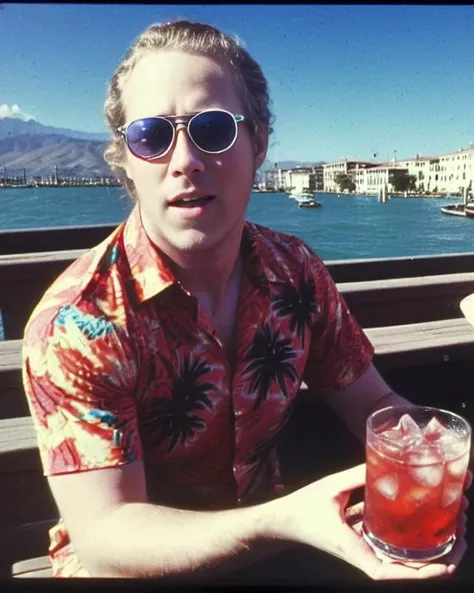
(455, 556)
(468, 480)
(380, 567)
(354, 513)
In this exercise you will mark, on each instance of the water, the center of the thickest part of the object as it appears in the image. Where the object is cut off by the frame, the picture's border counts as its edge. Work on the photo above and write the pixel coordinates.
(345, 227)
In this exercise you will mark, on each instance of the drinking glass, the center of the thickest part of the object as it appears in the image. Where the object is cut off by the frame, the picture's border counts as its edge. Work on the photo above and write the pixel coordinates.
(416, 459)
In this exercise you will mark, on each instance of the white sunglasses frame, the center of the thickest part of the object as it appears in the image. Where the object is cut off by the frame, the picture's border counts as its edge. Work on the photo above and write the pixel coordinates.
(175, 121)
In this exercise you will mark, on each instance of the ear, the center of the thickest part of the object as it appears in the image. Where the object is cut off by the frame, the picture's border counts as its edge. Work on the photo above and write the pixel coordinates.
(260, 145)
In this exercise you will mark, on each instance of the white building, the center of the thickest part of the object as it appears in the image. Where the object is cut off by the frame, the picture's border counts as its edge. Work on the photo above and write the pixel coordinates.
(372, 179)
(452, 172)
(346, 167)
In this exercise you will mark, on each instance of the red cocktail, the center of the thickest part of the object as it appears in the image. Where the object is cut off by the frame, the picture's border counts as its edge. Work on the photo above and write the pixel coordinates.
(417, 459)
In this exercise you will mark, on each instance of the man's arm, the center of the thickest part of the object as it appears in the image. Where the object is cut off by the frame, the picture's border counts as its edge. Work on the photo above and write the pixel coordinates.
(117, 533)
(355, 403)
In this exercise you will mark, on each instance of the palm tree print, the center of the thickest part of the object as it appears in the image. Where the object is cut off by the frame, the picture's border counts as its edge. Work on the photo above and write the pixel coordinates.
(268, 361)
(260, 456)
(297, 303)
(176, 419)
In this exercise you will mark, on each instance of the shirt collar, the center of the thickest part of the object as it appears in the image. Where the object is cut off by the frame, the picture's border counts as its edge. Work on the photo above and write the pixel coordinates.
(151, 276)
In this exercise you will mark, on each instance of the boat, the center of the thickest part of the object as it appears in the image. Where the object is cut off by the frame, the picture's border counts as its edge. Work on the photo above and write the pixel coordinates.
(301, 196)
(309, 204)
(466, 210)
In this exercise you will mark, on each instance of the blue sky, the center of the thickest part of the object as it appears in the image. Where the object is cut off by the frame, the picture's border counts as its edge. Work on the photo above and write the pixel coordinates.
(346, 81)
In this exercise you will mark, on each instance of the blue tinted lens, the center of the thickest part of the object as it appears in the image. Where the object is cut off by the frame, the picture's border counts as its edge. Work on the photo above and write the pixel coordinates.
(213, 131)
(149, 137)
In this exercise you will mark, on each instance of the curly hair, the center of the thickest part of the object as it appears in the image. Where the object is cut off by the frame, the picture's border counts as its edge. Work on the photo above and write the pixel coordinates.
(197, 38)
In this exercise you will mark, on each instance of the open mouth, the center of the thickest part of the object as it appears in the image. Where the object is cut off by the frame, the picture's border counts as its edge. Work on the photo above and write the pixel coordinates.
(192, 202)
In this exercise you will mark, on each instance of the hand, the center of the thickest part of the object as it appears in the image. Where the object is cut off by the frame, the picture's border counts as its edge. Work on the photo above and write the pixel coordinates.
(316, 515)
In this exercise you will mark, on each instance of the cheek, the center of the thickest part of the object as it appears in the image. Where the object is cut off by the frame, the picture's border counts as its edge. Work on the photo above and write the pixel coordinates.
(142, 173)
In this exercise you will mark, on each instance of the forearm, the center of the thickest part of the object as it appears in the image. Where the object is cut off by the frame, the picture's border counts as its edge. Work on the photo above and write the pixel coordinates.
(390, 399)
(144, 540)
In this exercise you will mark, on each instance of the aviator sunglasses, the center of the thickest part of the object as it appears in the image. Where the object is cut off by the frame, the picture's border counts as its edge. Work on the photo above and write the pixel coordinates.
(212, 131)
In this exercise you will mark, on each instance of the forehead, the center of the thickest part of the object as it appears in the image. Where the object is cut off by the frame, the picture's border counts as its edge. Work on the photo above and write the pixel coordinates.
(177, 82)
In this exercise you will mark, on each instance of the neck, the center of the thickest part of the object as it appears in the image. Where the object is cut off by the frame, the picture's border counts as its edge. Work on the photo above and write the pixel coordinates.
(209, 277)
(209, 274)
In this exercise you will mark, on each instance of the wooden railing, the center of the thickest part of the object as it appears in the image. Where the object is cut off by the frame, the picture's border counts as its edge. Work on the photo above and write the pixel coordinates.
(409, 308)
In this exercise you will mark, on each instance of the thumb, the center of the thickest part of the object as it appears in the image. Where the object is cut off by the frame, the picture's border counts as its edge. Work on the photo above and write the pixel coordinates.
(349, 479)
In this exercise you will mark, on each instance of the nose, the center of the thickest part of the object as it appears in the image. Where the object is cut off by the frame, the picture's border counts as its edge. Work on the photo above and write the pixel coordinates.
(186, 158)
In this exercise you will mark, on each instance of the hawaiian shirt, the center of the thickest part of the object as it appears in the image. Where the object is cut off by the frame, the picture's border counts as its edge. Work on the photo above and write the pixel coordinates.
(120, 363)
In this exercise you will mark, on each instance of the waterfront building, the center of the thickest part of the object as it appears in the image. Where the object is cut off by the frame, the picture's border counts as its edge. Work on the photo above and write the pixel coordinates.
(372, 180)
(447, 173)
(346, 167)
(452, 172)
(300, 179)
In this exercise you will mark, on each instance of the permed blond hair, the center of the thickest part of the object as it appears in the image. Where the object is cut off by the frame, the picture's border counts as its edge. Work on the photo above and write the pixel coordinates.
(197, 38)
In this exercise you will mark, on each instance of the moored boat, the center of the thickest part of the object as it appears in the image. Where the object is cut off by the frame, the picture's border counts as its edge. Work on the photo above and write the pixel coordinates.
(309, 203)
(301, 196)
(466, 210)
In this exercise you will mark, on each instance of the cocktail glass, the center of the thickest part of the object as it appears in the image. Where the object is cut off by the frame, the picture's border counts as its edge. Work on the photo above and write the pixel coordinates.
(416, 459)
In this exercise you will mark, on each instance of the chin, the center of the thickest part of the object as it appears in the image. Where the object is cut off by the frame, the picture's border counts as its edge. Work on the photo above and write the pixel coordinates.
(194, 241)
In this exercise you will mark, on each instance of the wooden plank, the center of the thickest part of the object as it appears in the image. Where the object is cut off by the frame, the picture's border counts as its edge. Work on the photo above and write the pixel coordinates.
(446, 332)
(374, 286)
(54, 238)
(356, 270)
(18, 446)
(407, 300)
(13, 402)
(23, 542)
(348, 270)
(10, 354)
(26, 498)
(33, 568)
(385, 339)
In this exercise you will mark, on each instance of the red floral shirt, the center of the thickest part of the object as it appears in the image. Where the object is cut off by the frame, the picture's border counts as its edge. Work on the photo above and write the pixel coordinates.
(122, 364)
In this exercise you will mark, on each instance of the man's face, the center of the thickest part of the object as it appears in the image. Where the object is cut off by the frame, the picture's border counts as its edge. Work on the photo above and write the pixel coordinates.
(179, 83)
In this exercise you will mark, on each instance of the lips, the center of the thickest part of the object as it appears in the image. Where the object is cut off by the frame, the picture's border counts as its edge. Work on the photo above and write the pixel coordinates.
(190, 201)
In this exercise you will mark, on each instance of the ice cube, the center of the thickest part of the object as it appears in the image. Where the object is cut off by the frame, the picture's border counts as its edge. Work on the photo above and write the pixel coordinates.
(387, 486)
(458, 467)
(417, 495)
(406, 433)
(433, 430)
(409, 427)
(450, 495)
(426, 468)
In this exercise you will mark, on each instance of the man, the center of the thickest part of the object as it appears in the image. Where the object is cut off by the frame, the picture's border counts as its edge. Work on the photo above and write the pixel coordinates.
(161, 366)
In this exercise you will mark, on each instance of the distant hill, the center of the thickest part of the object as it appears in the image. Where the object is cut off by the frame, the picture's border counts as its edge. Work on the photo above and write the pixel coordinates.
(38, 148)
(11, 126)
(39, 154)
(267, 165)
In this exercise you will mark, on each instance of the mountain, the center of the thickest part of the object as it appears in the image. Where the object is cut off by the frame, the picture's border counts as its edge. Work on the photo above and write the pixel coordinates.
(268, 165)
(38, 149)
(10, 126)
(40, 153)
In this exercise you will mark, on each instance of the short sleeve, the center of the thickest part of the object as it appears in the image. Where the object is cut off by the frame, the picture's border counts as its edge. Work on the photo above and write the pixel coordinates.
(340, 351)
(79, 374)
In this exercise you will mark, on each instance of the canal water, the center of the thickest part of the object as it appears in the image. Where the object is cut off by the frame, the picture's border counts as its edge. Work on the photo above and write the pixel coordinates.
(345, 227)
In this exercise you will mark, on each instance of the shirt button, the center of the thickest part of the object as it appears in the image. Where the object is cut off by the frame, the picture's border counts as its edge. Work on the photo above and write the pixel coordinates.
(239, 502)
(234, 469)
